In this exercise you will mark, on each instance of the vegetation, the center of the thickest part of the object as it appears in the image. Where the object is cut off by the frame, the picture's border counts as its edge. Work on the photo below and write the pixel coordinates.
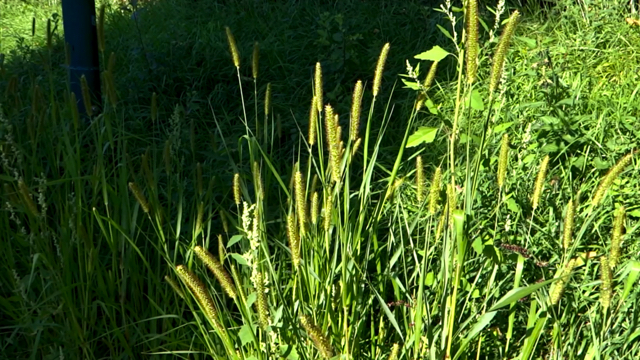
(307, 202)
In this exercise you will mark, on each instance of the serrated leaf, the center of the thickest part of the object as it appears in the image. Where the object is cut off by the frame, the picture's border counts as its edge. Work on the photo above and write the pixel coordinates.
(424, 134)
(239, 259)
(435, 54)
(234, 239)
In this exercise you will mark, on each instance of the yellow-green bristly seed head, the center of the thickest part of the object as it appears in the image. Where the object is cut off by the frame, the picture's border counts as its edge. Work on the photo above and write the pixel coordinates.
(610, 177)
(382, 59)
(301, 202)
(317, 93)
(503, 160)
(315, 205)
(137, 193)
(472, 40)
(616, 237)
(419, 179)
(331, 128)
(428, 80)
(557, 288)
(320, 341)
(26, 198)
(313, 122)
(567, 232)
(434, 191)
(356, 106)
(294, 239)
(261, 303)
(221, 251)
(501, 53)
(254, 60)
(174, 285)
(539, 185)
(202, 295)
(327, 211)
(217, 270)
(394, 352)
(267, 101)
(606, 290)
(235, 55)
(236, 189)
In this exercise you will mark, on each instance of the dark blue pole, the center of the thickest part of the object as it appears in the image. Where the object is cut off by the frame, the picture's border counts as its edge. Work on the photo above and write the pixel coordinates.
(81, 36)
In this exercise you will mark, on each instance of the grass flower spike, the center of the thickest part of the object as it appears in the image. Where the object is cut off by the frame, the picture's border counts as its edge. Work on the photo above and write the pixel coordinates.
(294, 239)
(567, 231)
(616, 237)
(537, 190)
(319, 340)
(142, 200)
(236, 189)
(235, 55)
(501, 52)
(313, 122)
(318, 88)
(377, 79)
(301, 202)
(356, 105)
(606, 290)
(472, 40)
(557, 288)
(610, 177)
(202, 295)
(419, 179)
(218, 271)
(254, 60)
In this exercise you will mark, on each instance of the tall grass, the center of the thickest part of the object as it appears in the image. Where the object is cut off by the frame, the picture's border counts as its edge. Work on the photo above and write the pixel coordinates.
(119, 246)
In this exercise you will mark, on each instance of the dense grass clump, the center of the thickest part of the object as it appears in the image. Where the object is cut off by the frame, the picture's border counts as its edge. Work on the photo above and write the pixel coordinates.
(253, 183)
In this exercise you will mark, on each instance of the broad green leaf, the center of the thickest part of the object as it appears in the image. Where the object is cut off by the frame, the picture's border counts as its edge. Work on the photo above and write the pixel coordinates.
(531, 43)
(411, 84)
(423, 135)
(245, 334)
(234, 239)
(251, 299)
(476, 100)
(518, 293)
(633, 268)
(502, 127)
(435, 54)
(239, 259)
(431, 106)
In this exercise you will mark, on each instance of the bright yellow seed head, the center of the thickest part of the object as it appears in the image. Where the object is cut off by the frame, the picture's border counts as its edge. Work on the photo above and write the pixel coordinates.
(501, 52)
(254, 62)
(537, 191)
(472, 40)
(233, 48)
(318, 88)
(356, 105)
(377, 79)
(236, 189)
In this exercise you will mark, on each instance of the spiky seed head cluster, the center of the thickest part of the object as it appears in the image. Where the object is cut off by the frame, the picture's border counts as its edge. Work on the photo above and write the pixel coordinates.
(616, 237)
(394, 352)
(257, 178)
(377, 79)
(225, 222)
(557, 288)
(236, 189)
(606, 290)
(137, 193)
(428, 80)
(501, 52)
(202, 295)
(217, 270)
(110, 86)
(328, 205)
(356, 107)
(199, 217)
(434, 191)
(222, 253)
(539, 185)
(568, 225)
(320, 341)
(301, 201)
(472, 40)
(267, 101)
(254, 60)
(294, 239)
(419, 178)
(610, 177)
(261, 304)
(315, 206)
(503, 160)
(318, 94)
(313, 122)
(235, 55)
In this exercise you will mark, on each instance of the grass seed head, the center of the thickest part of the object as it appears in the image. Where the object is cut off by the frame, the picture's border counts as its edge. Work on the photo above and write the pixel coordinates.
(218, 271)
(317, 93)
(377, 79)
(301, 202)
(320, 341)
(394, 352)
(137, 193)
(254, 60)
(557, 288)
(26, 198)
(313, 122)
(501, 52)
(472, 40)
(503, 160)
(451, 202)
(567, 232)
(419, 178)
(610, 177)
(606, 290)
(267, 101)
(174, 285)
(539, 185)
(261, 303)
(356, 107)
(616, 237)
(294, 239)
(233, 48)
(202, 295)
(327, 211)
(315, 204)
(237, 198)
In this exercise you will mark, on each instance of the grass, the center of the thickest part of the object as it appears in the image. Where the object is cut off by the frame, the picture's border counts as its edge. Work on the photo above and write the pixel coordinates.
(204, 221)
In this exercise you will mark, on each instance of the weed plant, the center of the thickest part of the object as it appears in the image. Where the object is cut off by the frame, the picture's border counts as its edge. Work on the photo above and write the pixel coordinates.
(519, 244)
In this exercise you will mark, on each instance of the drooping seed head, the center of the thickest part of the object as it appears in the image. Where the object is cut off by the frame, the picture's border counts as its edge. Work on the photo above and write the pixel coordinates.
(320, 341)
(568, 225)
(539, 185)
(174, 285)
(616, 237)
(501, 52)
(557, 288)
(610, 177)
(137, 193)
(202, 295)
(233, 48)
(217, 270)
(377, 79)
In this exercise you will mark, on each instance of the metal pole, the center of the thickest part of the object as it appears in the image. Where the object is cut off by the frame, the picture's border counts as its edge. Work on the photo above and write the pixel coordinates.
(81, 36)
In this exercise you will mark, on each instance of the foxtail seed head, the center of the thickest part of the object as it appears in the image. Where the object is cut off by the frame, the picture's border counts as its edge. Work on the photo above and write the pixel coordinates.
(557, 288)
(377, 79)
(199, 218)
(333, 141)
(294, 239)
(26, 198)
(431, 75)
(236, 189)
(419, 179)
(267, 101)
(503, 160)
(606, 290)
(315, 205)
(501, 52)
(434, 191)
(318, 88)
(233, 48)
(356, 107)
(394, 352)
(320, 341)
(472, 40)
(254, 60)
(451, 202)
(328, 206)
(222, 253)
(537, 191)
(568, 226)
(610, 177)
(174, 285)
(202, 295)
(313, 122)
(142, 200)
(616, 237)
(261, 304)
(301, 201)
(218, 271)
